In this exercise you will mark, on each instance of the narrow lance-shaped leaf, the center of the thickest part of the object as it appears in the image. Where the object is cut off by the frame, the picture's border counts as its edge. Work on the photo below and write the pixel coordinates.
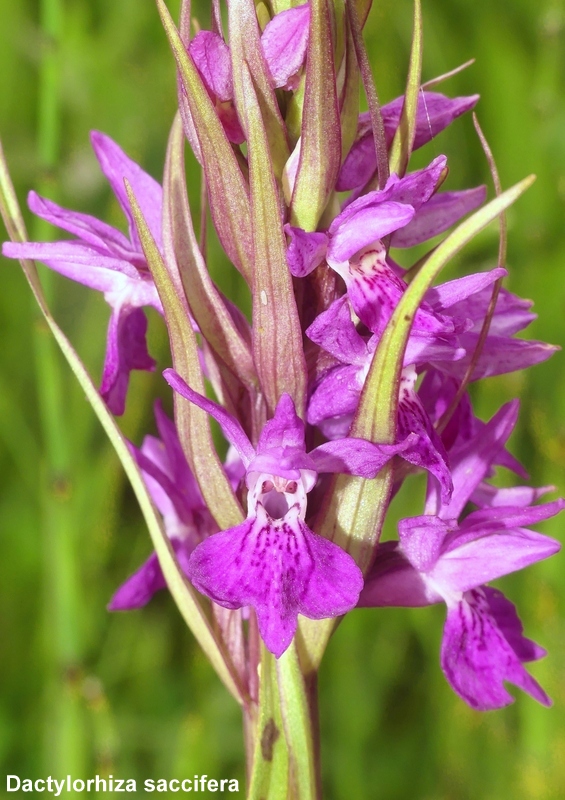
(362, 7)
(377, 124)
(192, 423)
(403, 141)
(349, 99)
(228, 193)
(431, 84)
(277, 338)
(502, 251)
(245, 46)
(206, 303)
(354, 511)
(183, 594)
(269, 776)
(320, 153)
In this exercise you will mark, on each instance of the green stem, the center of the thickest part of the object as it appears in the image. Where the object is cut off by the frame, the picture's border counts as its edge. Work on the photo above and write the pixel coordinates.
(297, 706)
(270, 769)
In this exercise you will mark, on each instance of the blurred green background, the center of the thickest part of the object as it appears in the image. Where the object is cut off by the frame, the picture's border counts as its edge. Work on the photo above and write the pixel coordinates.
(86, 692)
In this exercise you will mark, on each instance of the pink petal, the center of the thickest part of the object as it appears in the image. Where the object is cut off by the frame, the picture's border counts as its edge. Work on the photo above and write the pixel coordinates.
(117, 166)
(88, 229)
(284, 43)
(437, 215)
(126, 349)
(212, 59)
(477, 658)
(281, 568)
(305, 251)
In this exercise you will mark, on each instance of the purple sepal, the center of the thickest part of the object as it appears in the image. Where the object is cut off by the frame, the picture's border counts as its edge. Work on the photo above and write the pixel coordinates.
(126, 349)
(230, 426)
(435, 112)
(428, 451)
(140, 587)
(478, 655)
(457, 296)
(88, 229)
(512, 313)
(305, 250)
(281, 568)
(437, 215)
(117, 167)
(499, 355)
(393, 581)
(357, 456)
(212, 59)
(517, 496)
(284, 42)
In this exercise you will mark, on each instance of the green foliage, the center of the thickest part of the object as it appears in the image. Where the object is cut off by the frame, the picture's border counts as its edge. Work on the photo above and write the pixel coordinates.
(84, 691)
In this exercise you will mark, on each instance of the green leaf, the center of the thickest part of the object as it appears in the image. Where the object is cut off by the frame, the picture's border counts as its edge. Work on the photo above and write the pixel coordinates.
(377, 124)
(320, 150)
(207, 304)
(277, 337)
(192, 423)
(245, 46)
(183, 594)
(228, 192)
(349, 98)
(403, 141)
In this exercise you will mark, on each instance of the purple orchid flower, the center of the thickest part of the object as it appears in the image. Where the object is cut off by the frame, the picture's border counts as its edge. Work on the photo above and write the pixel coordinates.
(174, 491)
(102, 258)
(438, 559)
(364, 222)
(273, 561)
(435, 112)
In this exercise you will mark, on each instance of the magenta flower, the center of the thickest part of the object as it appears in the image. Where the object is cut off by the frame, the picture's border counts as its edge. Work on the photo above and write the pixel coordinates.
(438, 559)
(174, 491)
(102, 258)
(364, 222)
(273, 561)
